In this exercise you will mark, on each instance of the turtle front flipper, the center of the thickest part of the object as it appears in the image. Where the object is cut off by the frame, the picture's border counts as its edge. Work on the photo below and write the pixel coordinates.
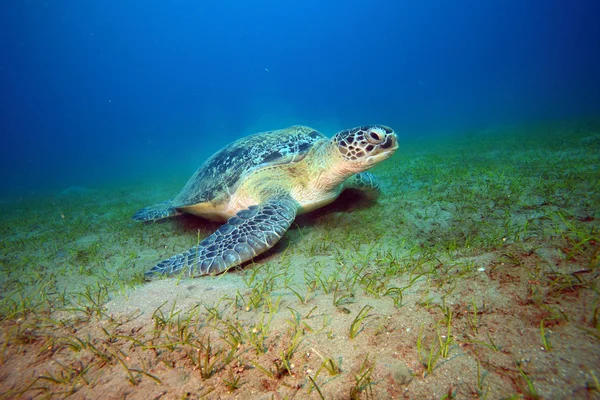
(155, 212)
(244, 236)
(365, 182)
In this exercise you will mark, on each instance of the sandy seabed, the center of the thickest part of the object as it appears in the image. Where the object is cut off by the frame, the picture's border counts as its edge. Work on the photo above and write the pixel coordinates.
(475, 275)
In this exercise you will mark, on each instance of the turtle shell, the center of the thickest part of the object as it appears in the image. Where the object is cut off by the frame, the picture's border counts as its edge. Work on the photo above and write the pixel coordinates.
(222, 172)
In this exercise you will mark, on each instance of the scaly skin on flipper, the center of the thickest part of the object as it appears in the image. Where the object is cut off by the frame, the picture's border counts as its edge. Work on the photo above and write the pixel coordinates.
(156, 212)
(366, 182)
(241, 238)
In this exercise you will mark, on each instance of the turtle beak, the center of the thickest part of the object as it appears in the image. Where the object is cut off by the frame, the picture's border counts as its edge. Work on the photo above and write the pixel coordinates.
(391, 142)
(386, 149)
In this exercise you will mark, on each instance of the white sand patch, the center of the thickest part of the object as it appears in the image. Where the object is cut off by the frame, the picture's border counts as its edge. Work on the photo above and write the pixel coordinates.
(185, 294)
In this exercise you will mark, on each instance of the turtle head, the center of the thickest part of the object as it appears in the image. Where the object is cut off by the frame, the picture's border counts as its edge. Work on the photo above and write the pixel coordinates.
(364, 146)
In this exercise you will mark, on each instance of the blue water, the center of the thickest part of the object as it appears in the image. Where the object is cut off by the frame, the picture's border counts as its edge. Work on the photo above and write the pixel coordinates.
(103, 92)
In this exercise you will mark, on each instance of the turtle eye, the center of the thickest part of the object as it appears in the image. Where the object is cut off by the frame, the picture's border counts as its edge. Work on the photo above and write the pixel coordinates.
(374, 137)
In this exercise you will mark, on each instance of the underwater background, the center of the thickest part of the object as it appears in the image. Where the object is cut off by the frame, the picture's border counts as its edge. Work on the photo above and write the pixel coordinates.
(97, 93)
(474, 275)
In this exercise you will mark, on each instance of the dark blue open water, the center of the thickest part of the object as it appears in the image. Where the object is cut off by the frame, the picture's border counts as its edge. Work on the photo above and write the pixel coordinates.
(105, 92)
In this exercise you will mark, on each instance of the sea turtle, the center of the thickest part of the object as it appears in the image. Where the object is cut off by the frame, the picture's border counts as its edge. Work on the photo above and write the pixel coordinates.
(259, 183)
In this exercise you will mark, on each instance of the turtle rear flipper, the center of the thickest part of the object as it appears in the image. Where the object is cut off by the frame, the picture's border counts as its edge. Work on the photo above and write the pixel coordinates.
(244, 236)
(155, 212)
